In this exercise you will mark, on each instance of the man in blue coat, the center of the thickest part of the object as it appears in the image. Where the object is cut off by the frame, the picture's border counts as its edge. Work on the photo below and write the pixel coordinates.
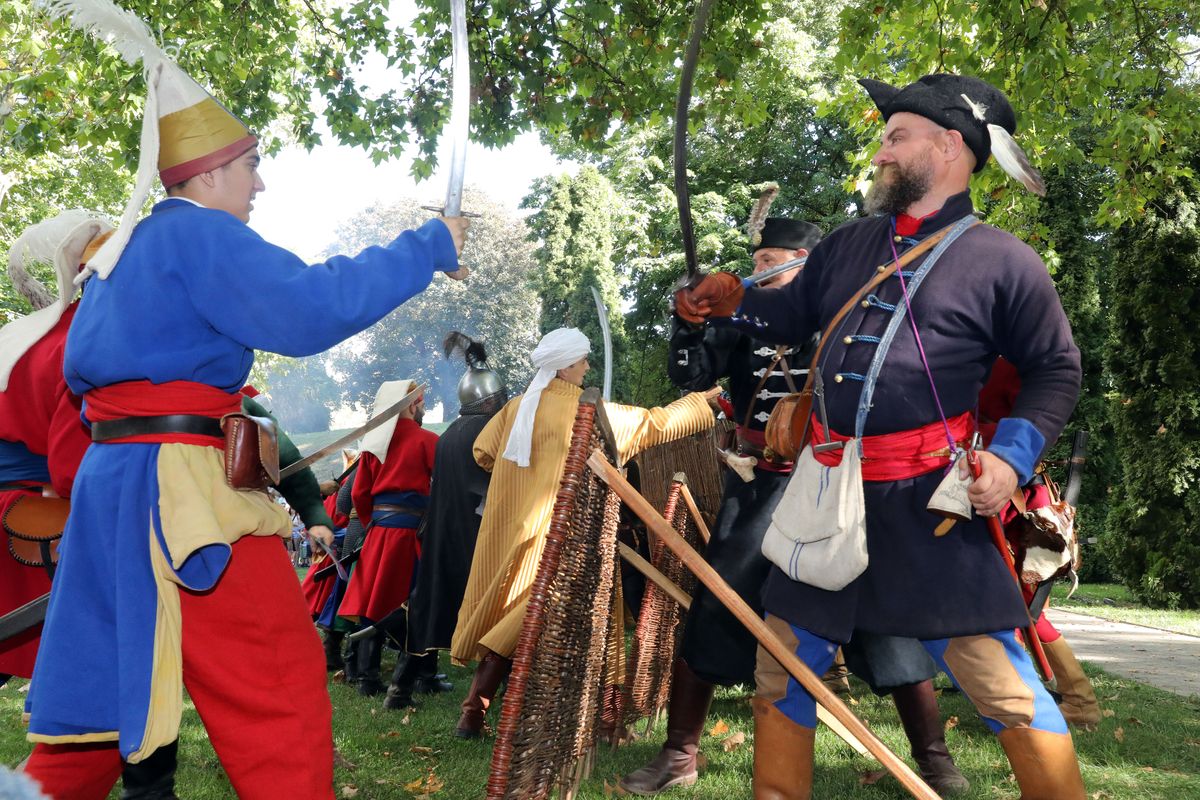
(902, 373)
(168, 575)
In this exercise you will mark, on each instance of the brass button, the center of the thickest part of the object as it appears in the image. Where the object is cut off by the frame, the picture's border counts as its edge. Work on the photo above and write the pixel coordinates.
(865, 303)
(837, 378)
(848, 340)
(898, 238)
(881, 269)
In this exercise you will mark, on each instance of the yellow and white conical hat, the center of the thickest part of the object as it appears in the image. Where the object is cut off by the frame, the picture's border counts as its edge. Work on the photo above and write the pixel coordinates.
(185, 131)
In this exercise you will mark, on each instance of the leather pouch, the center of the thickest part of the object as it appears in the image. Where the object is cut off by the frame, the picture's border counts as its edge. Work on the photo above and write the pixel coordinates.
(34, 525)
(251, 452)
(787, 426)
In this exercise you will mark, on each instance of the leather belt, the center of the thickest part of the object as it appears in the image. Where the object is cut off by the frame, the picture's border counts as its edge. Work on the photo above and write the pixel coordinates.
(416, 512)
(106, 430)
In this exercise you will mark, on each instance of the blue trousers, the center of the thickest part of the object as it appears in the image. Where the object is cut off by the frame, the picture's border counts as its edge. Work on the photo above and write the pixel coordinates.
(992, 670)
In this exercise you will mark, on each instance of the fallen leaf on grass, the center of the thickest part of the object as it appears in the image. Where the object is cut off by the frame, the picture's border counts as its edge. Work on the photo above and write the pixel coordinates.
(1135, 721)
(1108, 712)
(731, 743)
(872, 777)
(701, 761)
(951, 723)
(418, 749)
(349, 791)
(407, 718)
(1147, 769)
(1119, 734)
(719, 728)
(1100, 795)
(614, 789)
(425, 786)
(389, 735)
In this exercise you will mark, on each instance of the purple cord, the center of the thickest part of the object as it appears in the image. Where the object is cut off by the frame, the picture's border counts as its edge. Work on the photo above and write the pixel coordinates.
(920, 347)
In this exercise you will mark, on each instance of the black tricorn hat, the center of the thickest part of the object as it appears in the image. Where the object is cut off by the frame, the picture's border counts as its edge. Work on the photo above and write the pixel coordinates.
(790, 234)
(958, 102)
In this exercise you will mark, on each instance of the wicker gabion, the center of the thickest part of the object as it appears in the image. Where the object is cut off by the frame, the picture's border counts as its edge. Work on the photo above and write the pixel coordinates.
(660, 621)
(567, 651)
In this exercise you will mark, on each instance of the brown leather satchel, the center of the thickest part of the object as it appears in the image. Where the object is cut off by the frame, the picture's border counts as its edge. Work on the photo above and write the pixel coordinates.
(34, 525)
(787, 428)
(251, 452)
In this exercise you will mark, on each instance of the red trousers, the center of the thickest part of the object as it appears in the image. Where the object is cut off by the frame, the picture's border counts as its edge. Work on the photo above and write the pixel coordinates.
(254, 668)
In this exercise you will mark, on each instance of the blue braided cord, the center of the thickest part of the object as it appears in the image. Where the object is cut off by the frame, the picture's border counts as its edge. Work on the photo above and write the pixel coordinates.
(862, 337)
(875, 301)
(854, 376)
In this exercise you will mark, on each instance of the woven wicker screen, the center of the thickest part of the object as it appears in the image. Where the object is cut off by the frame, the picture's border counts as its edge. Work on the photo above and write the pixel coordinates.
(567, 651)
(660, 621)
(696, 457)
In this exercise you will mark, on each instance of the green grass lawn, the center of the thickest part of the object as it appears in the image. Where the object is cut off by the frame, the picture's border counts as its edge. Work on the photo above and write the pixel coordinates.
(1114, 602)
(1148, 747)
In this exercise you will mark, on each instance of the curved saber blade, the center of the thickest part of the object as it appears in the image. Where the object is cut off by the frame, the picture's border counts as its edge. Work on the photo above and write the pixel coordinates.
(460, 108)
(602, 313)
(766, 275)
(684, 99)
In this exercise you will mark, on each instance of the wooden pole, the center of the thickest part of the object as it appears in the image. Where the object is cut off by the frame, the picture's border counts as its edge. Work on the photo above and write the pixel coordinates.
(996, 531)
(709, 577)
(694, 510)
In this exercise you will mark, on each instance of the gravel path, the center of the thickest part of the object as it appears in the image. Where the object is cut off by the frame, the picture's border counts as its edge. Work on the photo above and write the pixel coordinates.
(1160, 658)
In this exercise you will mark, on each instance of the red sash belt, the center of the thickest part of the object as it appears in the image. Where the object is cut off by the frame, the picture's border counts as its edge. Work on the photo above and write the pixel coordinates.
(146, 399)
(903, 454)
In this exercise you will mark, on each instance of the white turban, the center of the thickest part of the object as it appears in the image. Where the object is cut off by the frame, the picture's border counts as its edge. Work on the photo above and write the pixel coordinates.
(557, 350)
(379, 440)
(60, 241)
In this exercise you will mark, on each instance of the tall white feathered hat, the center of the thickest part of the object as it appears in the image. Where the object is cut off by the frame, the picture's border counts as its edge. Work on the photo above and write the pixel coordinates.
(185, 131)
(65, 241)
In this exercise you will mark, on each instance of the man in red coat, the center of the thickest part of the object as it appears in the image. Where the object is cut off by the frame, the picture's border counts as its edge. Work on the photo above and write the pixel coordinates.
(42, 438)
(391, 490)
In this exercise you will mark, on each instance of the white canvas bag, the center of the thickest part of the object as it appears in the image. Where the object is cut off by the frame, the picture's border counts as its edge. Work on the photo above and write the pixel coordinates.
(818, 532)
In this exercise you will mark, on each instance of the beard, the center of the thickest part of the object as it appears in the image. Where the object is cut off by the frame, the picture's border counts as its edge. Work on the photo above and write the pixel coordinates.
(909, 183)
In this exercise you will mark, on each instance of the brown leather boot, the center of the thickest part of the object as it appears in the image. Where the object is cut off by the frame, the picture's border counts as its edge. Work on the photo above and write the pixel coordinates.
(783, 755)
(1044, 764)
(837, 677)
(918, 709)
(493, 668)
(1079, 706)
(675, 764)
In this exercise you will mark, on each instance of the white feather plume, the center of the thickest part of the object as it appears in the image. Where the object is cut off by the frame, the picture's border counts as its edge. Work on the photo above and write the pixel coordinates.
(130, 37)
(978, 110)
(1012, 160)
(105, 21)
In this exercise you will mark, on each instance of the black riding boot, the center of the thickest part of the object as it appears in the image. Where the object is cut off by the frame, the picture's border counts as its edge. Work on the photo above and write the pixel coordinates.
(429, 680)
(152, 778)
(333, 650)
(370, 654)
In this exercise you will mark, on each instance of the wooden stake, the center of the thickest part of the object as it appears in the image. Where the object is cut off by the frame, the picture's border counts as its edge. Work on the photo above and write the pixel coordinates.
(709, 577)
(694, 510)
